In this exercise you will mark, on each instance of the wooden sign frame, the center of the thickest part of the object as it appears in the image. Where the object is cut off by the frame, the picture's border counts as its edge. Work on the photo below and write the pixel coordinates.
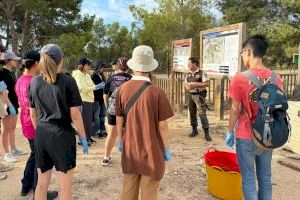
(172, 53)
(241, 27)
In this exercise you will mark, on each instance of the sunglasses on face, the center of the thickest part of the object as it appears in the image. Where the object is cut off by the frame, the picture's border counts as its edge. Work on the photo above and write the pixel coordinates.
(241, 53)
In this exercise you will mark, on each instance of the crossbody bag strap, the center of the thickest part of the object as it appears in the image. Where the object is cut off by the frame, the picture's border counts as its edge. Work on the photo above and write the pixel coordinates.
(133, 99)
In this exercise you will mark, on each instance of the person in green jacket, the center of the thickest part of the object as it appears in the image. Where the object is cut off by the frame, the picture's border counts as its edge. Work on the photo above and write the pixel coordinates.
(86, 88)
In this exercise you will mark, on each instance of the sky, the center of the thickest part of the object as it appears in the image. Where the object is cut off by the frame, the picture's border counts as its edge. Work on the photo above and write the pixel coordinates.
(114, 10)
(117, 10)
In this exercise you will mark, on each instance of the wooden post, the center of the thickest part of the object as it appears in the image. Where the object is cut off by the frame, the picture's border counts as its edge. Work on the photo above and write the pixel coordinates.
(173, 90)
(219, 99)
(298, 78)
(181, 96)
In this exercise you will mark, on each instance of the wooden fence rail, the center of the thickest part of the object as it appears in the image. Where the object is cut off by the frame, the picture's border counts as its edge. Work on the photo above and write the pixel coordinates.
(180, 95)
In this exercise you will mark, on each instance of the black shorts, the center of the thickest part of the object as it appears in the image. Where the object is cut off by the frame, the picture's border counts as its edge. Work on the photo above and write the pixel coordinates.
(111, 119)
(55, 146)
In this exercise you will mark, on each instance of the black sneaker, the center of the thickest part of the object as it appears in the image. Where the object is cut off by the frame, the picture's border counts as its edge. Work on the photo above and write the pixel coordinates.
(91, 140)
(100, 135)
(79, 143)
(194, 132)
(52, 195)
(24, 192)
(106, 161)
(207, 136)
(104, 133)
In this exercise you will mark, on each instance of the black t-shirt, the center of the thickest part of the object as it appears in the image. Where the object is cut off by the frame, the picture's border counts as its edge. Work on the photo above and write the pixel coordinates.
(10, 80)
(115, 81)
(98, 94)
(53, 101)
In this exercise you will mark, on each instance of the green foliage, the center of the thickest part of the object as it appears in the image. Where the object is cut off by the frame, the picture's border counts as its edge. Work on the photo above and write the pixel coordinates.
(110, 41)
(37, 22)
(278, 20)
(172, 20)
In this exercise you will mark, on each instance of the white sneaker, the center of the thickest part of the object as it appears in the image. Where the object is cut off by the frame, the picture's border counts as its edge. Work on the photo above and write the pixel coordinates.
(18, 152)
(106, 161)
(2, 176)
(9, 157)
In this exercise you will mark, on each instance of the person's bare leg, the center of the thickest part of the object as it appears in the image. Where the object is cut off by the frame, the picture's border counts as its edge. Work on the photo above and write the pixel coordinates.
(65, 185)
(12, 137)
(5, 133)
(110, 140)
(42, 185)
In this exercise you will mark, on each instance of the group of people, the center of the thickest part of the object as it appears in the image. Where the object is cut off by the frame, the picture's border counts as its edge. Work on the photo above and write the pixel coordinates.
(56, 106)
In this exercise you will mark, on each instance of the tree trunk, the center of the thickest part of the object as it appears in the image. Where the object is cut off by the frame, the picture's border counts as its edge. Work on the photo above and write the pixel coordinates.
(298, 78)
(10, 18)
(7, 35)
(25, 34)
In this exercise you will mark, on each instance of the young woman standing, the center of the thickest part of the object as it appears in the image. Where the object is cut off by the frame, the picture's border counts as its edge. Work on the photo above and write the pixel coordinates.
(54, 105)
(117, 79)
(99, 106)
(30, 68)
(10, 121)
(86, 87)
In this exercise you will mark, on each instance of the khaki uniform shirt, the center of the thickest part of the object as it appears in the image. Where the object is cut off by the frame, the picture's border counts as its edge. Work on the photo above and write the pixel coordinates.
(197, 76)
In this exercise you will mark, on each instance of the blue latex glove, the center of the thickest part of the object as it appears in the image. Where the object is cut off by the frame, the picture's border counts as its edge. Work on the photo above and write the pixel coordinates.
(229, 139)
(3, 86)
(120, 145)
(168, 155)
(12, 110)
(85, 146)
(100, 86)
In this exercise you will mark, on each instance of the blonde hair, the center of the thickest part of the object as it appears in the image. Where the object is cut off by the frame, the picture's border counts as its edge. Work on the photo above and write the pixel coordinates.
(49, 68)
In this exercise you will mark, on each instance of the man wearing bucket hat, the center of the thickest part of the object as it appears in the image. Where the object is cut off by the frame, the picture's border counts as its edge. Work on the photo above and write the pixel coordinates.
(142, 112)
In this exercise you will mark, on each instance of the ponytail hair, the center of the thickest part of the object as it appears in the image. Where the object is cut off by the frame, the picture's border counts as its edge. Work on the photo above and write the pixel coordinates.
(30, 59)
(27, 64)
(49, 68)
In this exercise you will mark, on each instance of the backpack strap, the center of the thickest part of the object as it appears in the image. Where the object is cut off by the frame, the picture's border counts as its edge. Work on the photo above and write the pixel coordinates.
(252, 78)
(267, 136)
(274, 78)
(135, 98)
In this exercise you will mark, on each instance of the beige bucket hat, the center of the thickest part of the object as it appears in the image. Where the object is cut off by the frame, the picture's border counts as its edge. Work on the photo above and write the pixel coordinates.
(142, 59)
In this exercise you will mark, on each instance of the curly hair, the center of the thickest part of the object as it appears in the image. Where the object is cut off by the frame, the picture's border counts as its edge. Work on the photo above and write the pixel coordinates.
(122, 64)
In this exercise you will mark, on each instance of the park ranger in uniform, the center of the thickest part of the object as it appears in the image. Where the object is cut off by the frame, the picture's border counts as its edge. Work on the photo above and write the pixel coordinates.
(196, 83)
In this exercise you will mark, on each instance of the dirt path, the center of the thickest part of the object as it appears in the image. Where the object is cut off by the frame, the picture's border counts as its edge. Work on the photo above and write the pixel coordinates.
(184, 179)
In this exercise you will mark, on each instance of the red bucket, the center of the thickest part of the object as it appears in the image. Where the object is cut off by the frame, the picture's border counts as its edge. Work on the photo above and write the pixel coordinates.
(225, 160)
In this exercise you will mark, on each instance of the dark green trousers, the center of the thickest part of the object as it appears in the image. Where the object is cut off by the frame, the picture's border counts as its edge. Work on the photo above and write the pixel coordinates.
(197, 103)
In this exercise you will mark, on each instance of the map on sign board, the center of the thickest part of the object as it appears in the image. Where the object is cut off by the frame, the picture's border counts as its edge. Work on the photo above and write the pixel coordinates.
(221, 52)
(181, 54)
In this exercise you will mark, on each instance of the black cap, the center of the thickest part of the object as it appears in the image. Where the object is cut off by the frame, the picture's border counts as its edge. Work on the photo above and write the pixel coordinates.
(32, 55)
(84, 61)
(99, 64)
